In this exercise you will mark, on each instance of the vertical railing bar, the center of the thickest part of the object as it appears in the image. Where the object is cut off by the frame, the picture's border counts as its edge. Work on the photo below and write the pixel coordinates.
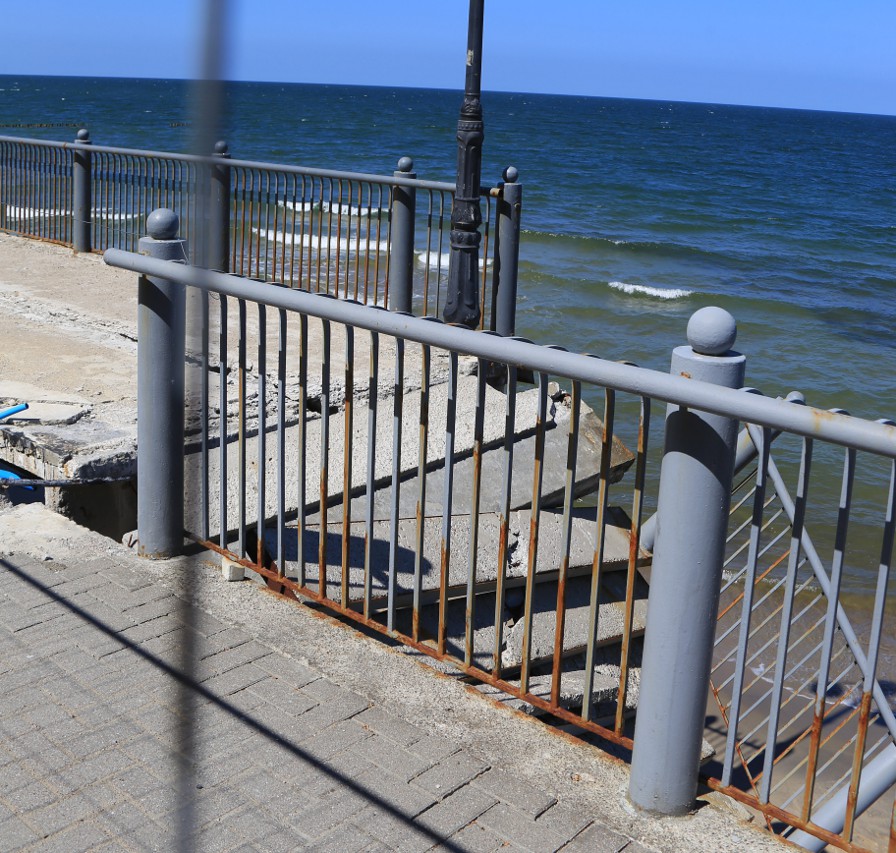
(222, 426)
(830, 627)
(447, 500)
(281, 442)
(242, 428)
(372, 398)
(347, 458)
(203, 411)
(633, 554)
(600, 522)
(572, 449)
(324, 460)
(780, 664)
(877, 619)
(535, 512)
(747, 608)
(504, 517)
(262, 428)
(302, 439)
(478, 426)
(398, 403)
(425, 362)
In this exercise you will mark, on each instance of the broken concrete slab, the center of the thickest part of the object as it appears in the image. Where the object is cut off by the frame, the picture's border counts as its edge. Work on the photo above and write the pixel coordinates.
(610, 619)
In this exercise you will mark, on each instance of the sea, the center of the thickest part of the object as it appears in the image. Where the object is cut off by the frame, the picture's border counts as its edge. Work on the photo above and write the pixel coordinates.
(635, 214)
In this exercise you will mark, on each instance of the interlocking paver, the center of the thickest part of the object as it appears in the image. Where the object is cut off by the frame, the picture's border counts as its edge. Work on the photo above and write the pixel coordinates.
(93, 755)
(510, 789)
(450, 773)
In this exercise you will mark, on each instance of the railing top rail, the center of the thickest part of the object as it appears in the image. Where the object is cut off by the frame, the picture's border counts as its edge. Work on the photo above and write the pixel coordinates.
(871, 436)
(217, 160)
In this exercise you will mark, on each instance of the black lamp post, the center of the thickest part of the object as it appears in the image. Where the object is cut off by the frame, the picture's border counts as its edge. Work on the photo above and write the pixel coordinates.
(462, 305)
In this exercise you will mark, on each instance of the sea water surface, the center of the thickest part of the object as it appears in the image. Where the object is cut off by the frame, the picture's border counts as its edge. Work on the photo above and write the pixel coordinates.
(635, 214)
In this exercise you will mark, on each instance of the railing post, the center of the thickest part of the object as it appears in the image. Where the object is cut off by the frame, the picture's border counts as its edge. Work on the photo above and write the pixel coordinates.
(219, 213)
(401, 252)
(82, 194)
(160, 395)
(508, 256)
(694, 499)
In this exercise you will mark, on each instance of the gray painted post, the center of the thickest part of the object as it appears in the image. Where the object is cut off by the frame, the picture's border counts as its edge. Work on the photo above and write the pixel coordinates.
(508, 260)
(401, 252)
(219, 214)
(82, 194)
(694, 499)
(160, 395)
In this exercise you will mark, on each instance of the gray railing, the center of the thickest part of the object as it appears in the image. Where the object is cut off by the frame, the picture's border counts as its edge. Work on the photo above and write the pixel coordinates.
(377, 239)
(364, 460)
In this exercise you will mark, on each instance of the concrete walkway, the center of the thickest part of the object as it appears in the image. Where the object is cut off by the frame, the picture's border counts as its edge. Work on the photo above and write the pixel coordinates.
(152, 706)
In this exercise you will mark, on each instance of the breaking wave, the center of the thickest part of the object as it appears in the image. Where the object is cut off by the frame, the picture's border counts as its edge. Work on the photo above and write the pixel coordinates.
(645, 290)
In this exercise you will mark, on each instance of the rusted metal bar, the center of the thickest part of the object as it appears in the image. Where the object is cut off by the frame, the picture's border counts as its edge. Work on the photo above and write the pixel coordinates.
(447, 497)
(372, 396)
(422, 452)
(478, 426)
(537, 474)
(398, 405)
(347, 458)
(572, 448)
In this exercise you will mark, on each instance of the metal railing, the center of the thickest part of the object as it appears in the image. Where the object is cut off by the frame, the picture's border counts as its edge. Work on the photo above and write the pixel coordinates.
(377, 239)
(364, 461)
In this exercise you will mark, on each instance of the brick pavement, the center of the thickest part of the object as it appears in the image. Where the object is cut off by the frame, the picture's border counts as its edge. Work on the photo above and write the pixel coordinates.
(129, 720)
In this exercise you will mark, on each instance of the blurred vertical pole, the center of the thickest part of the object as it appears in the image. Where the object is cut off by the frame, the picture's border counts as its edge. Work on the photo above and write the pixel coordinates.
(208, 107)
(462, 304)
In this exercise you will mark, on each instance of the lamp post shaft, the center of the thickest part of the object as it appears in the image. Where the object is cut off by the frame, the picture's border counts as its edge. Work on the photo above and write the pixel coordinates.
(462, 305)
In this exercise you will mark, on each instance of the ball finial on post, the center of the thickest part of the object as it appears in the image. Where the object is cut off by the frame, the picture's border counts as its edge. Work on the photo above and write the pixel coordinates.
(221, 148)
(711, 331)
(511, 175)
(405, 164)
(83, 135)
(162, 224)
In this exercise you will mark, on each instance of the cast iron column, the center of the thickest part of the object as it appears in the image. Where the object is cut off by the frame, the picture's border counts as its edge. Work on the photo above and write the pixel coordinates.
(462, 305)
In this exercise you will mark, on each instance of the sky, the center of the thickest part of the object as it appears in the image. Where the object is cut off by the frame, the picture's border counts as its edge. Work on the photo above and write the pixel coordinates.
(814, 54)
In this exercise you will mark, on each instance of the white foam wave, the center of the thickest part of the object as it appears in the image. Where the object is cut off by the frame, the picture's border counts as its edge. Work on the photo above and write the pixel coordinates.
(34, 212)
(300, 206)
(321, 243)
(437, 260)
(646, 290)
(116, 215)
(350, 209)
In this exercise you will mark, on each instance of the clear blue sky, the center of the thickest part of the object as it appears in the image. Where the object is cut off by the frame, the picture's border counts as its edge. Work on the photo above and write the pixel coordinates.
(818, 54)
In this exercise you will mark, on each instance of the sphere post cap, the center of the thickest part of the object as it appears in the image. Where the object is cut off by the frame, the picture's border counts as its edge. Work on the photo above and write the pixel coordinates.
(405, 164)
(511, 174)
(221, 147)
(162, 224)
(83, 135)
(712, 331)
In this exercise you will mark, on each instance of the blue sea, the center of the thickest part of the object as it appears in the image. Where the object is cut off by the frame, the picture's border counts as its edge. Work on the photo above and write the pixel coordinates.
(635, 213)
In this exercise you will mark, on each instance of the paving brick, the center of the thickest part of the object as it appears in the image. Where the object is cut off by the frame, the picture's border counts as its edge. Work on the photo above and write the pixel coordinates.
(453, 813)
(148, 630)
(387, 754)
(396, 832)
(435, 746)
(511, 790)
(290, 670)
(450, 773)
(15, 834)
(51, 819)
(392, 727)
(235, 680)
(327, 742)
(228, 659)
(475, 838)
(331, 711)
(520, 829)
(598, 838)
(282, 694)
(566, 819)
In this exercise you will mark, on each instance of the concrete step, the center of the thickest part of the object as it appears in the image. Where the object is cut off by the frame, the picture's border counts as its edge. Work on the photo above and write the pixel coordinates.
(547, 564)
(336, 485)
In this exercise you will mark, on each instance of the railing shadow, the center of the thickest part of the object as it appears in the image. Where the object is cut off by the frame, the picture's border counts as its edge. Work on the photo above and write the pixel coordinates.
(189, 691)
